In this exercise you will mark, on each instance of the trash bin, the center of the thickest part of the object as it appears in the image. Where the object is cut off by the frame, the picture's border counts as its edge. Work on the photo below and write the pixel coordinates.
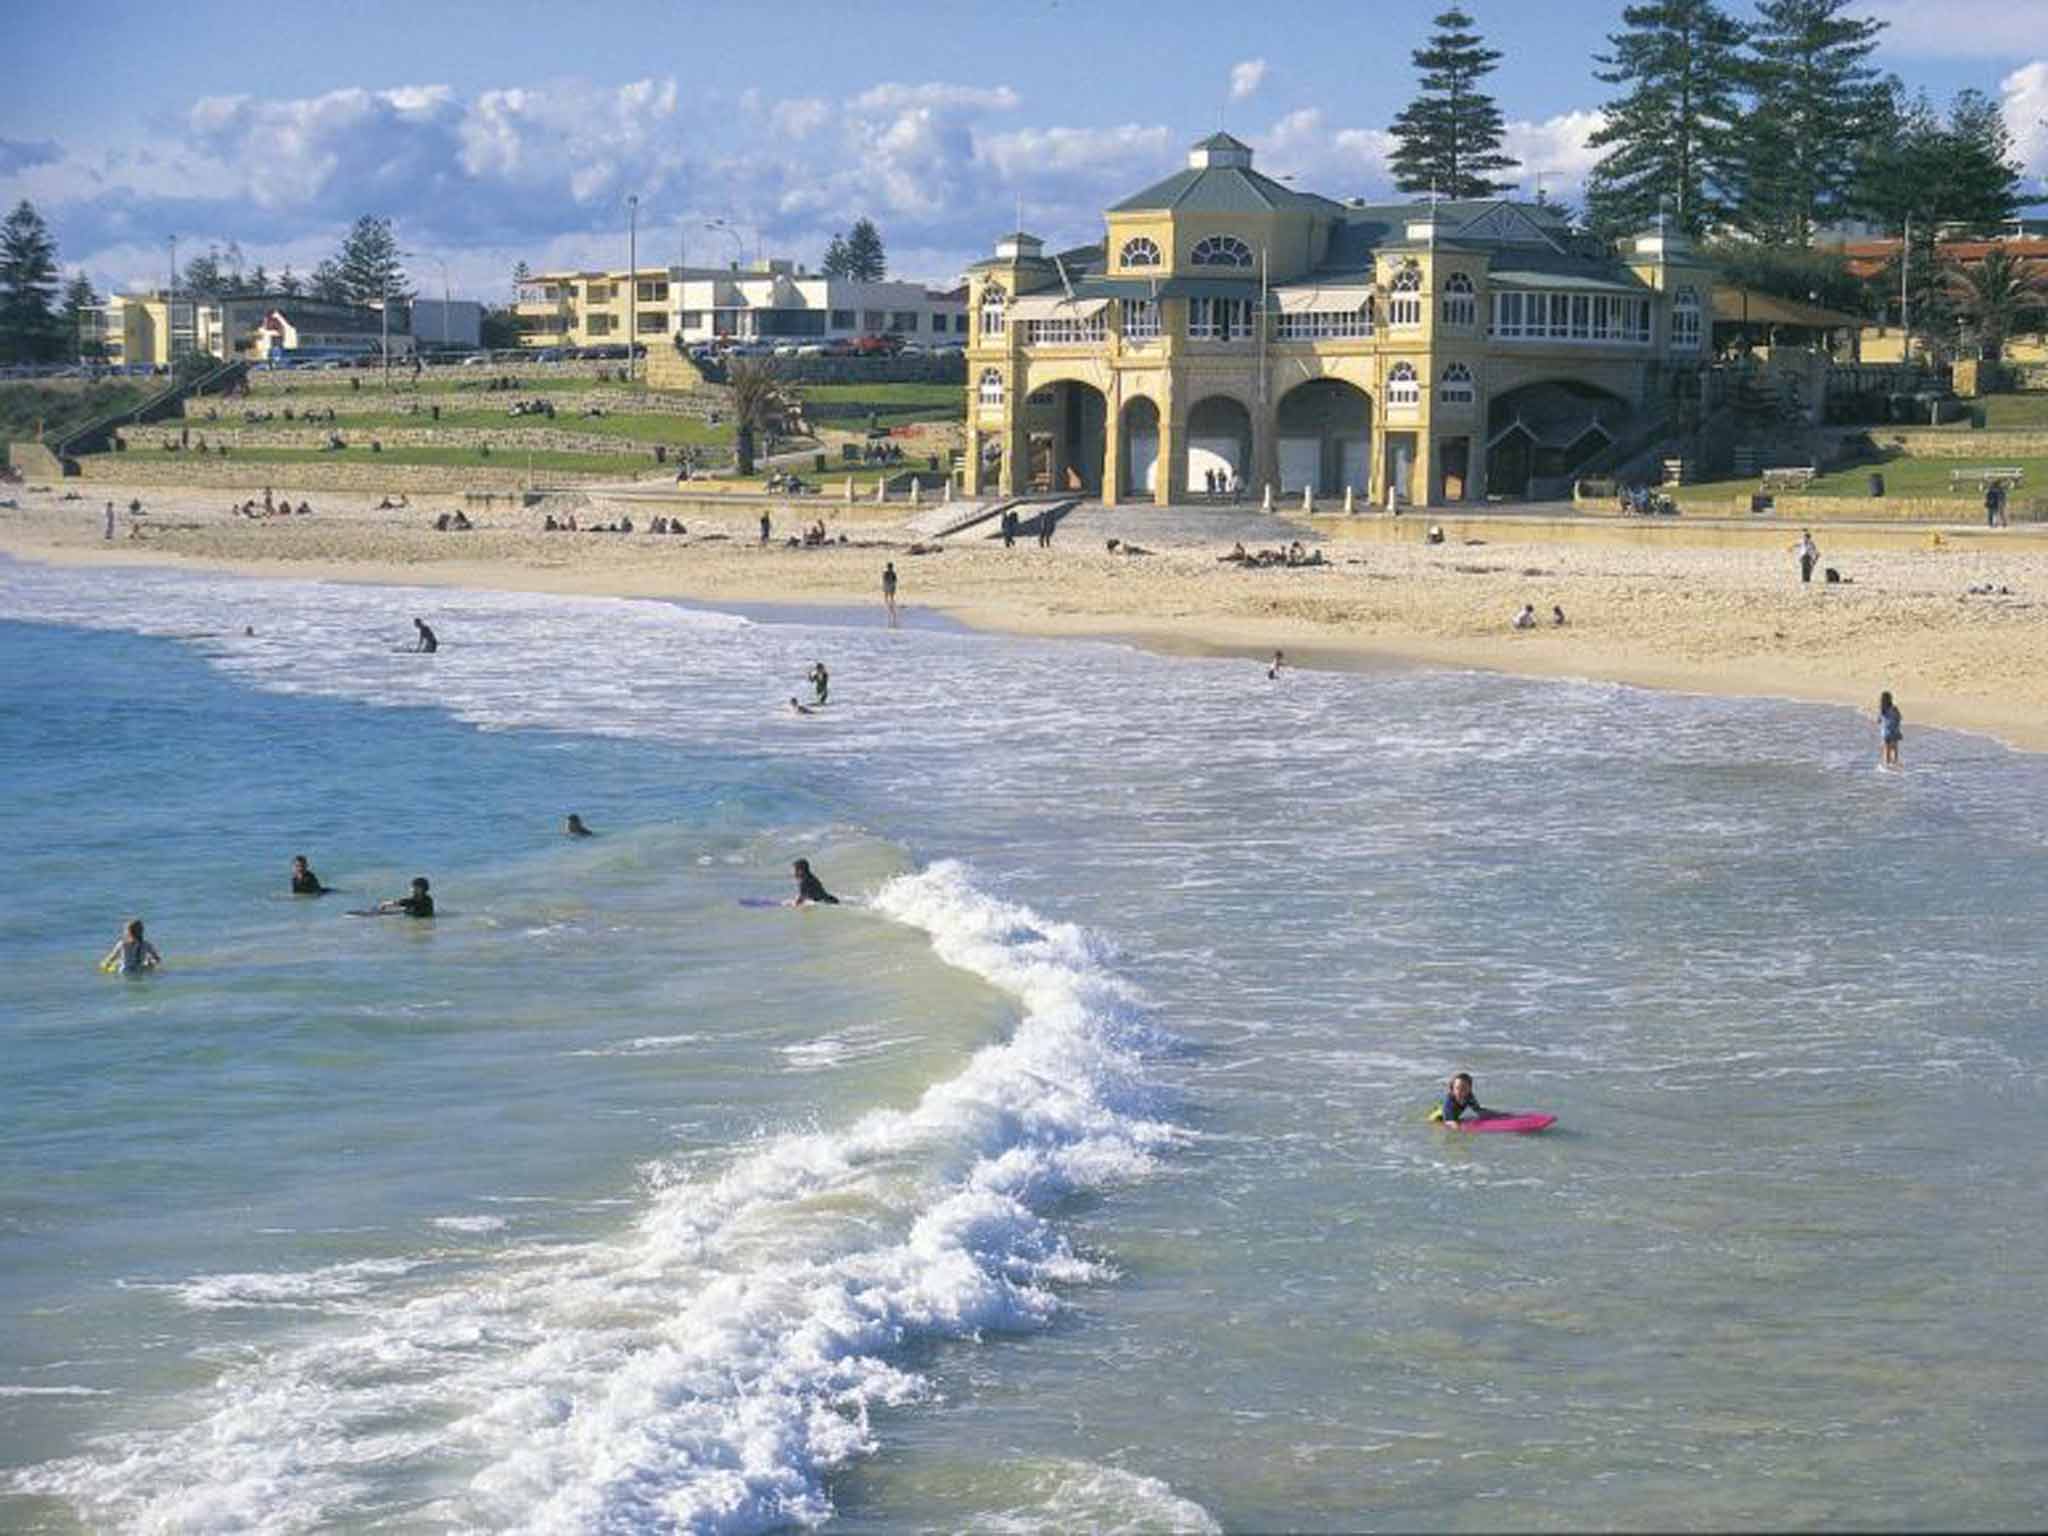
(1876, 483)
(818, 463)
(931, 462)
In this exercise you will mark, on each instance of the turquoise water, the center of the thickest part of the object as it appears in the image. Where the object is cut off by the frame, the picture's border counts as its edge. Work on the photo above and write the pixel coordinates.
(1075, 1178)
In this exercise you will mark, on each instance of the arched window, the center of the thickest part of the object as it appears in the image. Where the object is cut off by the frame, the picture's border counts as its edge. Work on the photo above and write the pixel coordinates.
(1457, 386)
(1138, 253)
(1220, 251)
(993, 301)
(991, 389)
(1685, 321)
(1405, 305)
(1461, 304)
(1402, 386)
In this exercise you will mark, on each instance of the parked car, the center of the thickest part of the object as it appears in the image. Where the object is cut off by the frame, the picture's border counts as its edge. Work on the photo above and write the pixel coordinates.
(878, 346)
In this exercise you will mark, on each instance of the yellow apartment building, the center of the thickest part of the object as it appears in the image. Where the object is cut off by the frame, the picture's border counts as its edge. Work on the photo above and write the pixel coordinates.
(1231, 332)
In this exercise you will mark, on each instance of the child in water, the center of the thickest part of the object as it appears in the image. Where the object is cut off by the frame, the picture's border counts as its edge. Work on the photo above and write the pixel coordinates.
(1461, 1101)
(809, 889)
(1891, 729)
(304, 881)
(132, 954)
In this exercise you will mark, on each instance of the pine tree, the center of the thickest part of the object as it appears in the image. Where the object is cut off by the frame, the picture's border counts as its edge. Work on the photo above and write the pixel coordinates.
(257, 282)
(28, 285)
(836, 259)
(288, 282)
(1815, 102)
(1670, 138)
(522, 276)
(327, 284)
(78, 298)
(1982, 184)
(866, 262)
(369, 263)
(202, 277)
(1448, 138)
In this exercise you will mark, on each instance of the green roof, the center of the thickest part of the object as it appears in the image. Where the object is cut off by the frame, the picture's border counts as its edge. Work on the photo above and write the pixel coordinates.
(1218, 189)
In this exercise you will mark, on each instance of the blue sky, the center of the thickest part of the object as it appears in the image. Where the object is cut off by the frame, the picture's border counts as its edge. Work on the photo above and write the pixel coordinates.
(494, 133)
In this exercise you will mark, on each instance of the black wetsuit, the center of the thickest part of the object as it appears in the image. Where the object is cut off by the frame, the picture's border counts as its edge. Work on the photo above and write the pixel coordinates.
(428, 644)
(419, 904)
(306, 883)
(808, 888)
(1453, 1109)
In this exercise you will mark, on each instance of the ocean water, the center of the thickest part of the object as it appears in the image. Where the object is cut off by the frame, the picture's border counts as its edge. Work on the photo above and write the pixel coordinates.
(1073, 1176)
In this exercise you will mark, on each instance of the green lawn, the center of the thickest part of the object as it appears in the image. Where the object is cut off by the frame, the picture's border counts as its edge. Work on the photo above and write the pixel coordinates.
(952, 397)
(2029, 410)
(62, 407)
(441, 381)
(516, 459)
(1902, 477)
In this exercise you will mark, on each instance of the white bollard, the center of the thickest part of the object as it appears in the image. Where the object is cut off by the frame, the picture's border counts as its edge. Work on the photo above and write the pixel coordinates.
(1308, 500)
(949, 490)
(849, 490)
(881, 491)
(916, 496)
(1350, 504)
(1266, 501)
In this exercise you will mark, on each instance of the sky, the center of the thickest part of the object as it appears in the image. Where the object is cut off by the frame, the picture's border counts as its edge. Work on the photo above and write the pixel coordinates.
(493, 134)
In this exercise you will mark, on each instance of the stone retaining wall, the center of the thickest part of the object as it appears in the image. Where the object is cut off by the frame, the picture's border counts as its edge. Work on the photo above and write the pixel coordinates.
(341, 475)
(566, 402)
(145, 441)
(1993, 445)
(1868, 509)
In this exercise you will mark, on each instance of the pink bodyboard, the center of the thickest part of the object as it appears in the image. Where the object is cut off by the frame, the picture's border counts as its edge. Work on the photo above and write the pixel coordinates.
(1513, 1125)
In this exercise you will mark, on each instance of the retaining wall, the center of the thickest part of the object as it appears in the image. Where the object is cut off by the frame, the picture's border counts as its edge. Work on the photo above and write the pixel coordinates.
(342, 475)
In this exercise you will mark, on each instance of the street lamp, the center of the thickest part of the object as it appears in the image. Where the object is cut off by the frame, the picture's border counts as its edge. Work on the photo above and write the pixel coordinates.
(443, 265)
(632, 279)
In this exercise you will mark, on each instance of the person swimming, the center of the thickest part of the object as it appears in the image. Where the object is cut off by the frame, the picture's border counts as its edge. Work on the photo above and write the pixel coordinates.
(809, 890)
(799, 708)
(1460, 1100)
(575, 828)
(426, 644)
(132, 954)
(304, 881)
(417, 904)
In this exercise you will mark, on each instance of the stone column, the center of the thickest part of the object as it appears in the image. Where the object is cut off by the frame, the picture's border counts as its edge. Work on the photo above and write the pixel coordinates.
(1112, 445)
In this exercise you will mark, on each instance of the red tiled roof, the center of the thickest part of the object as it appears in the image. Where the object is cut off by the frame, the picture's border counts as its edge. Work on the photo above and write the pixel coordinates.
(1867, 258)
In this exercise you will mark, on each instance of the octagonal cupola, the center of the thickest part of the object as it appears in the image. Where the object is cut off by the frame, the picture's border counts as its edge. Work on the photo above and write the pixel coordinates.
(1219, 150)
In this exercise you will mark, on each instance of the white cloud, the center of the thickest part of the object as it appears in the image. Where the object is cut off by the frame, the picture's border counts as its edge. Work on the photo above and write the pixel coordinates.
(1031, 152)
(892, 96)
(2025, 96)
(1557, 147)
(1246, 76)
(801, 117)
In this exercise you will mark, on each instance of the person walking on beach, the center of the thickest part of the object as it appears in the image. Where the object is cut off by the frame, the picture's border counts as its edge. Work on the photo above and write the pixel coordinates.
(1891, 730)
(889, 591)
(427, 644)
(766, 528)
(1045, 529)
(1994, 503)
(1809, 555)
(110, 520)
(132, 954)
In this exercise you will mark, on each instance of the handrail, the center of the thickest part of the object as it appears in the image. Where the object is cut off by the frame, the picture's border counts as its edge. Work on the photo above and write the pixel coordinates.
(95, 434)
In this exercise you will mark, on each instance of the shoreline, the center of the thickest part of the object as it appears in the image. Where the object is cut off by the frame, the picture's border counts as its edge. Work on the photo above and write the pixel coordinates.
(1696, 619)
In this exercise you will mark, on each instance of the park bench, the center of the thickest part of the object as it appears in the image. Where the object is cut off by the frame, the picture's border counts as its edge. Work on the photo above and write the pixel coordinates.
(1796, 478)
(2011, 474)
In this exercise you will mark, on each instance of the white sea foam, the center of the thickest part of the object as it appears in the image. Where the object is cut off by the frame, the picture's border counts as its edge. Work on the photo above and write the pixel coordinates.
(470, 1223)
(642, 1045)
(707, 1371)
(1086, 1496)
(310, 1290)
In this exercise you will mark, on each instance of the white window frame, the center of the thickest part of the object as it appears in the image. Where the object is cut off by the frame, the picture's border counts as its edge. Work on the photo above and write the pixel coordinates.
(990, 389)
(1138, 251)
(1457, 387)
(1404, 303)
(1574, 318)
(995, 303)
(1685, 320)
(1066, 331)
(1223, 251)
(1141, 319)
(1461, 303)
(1219, 319)
(1404, 389)
(1325, 324)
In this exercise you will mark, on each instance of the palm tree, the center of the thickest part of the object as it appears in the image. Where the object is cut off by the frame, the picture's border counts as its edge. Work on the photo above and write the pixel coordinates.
(1997, 296)
(756, 404)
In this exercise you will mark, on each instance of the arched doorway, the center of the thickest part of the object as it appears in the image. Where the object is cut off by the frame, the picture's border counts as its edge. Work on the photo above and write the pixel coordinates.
(1140, 448)
(1219, 445)
(1324, 437)
(1538, 436)
(1066, 425)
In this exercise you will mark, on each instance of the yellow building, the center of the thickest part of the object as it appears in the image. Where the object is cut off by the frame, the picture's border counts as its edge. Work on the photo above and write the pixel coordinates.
(1232, 333)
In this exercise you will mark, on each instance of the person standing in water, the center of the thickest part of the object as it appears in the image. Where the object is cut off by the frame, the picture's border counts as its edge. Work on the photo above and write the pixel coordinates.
(575, 827)
(809, 890)
(304, 881)
(418, 904)
(1279, 661)
(427, 644)
(132, 954)
(889, 591)
(821, 680)
(1891, 730)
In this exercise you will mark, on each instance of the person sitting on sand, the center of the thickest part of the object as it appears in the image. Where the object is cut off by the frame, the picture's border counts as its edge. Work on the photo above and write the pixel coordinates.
(305, 509)
(1526, 619)
(809, 892)
(132, 954)
(574, 827)
(1461, 1101)
(1435, 534)
(304, 881)
(427, 643)
(1236, 553)
(420, 903)
(1556, 616)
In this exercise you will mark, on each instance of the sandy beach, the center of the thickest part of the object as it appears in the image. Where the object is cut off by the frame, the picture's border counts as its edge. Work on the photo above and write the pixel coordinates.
(1679, 610)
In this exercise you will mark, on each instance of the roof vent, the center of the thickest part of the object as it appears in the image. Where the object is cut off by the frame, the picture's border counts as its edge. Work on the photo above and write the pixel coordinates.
(1219, 150)
(1019, 246)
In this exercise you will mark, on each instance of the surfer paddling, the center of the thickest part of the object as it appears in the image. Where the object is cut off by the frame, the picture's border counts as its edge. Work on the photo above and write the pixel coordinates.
(1461, 1101)
(810, 891)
